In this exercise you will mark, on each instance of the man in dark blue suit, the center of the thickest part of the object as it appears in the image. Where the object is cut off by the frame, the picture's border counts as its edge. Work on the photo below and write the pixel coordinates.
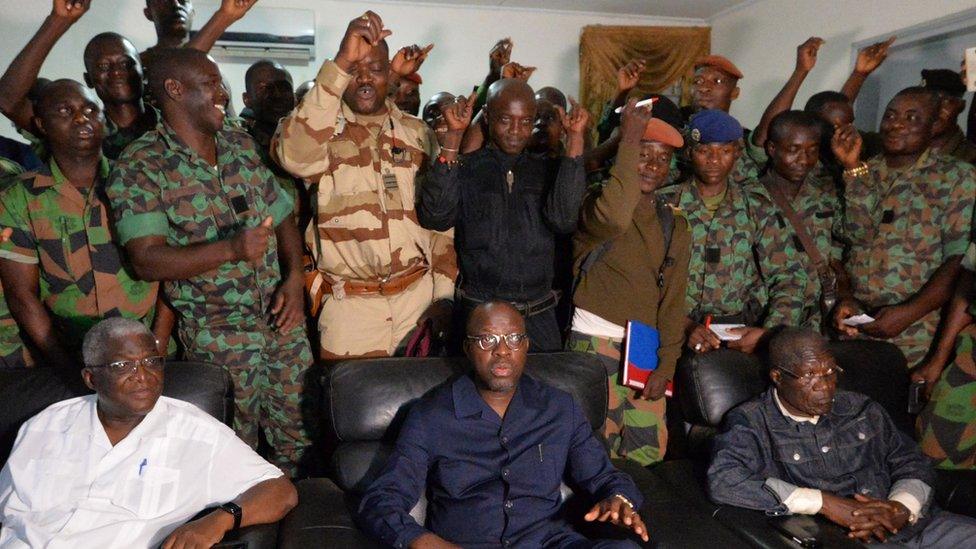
(490, 450)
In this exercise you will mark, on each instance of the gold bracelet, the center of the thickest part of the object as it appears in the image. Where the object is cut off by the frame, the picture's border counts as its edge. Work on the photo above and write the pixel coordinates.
(858, 171)
(625, 500)
(449, 150)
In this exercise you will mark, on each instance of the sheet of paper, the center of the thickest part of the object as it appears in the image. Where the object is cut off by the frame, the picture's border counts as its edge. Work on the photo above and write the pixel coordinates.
(722, 331)
(857, 320)
(970, 61)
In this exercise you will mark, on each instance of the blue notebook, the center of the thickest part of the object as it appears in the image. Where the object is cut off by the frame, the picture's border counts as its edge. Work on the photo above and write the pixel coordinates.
(641, 345)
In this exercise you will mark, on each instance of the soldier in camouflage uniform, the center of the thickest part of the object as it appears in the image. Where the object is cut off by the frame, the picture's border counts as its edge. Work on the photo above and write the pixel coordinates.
(195, 206)
(112, 70)
(382, 274)
(803, 197)
(269, 95)
(946, 424)
(948, 137)
(744, 267)
(61, 269)
(638, 273)
(13, 353)
(908, 217)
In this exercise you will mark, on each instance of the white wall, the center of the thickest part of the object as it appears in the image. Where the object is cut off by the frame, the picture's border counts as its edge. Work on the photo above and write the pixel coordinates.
(761, 38)
(462, 38)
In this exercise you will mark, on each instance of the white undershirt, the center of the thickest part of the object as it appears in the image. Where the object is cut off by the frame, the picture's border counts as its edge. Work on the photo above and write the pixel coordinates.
(590, 324)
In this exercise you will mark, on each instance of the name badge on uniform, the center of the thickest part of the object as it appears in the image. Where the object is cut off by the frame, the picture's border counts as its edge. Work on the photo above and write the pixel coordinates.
(713, 255)
(239, 203)
(389, 181)
(401, 156)
(888, 216)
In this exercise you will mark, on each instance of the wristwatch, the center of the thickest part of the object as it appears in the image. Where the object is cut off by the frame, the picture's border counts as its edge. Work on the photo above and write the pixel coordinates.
(234, 509)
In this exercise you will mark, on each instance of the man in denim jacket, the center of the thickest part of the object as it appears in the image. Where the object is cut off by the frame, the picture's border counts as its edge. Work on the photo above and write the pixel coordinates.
(803, 447)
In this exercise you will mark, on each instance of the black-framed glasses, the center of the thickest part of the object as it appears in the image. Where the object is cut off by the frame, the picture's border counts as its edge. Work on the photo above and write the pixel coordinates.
(124, 368)
(490, 342)
(809, 378)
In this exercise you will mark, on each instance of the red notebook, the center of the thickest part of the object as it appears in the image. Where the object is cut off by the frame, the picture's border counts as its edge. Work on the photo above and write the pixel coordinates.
(641, 344)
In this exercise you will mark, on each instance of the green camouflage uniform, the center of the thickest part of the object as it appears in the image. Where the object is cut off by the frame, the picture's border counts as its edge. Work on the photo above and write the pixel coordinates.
(66, 232)
(747, 167)
(114, 141)
(160, 187)
(291, 185)
(958, 147)
(903, 224)
(365, 175)
(13, 353)
(947, 425)
(818, 206)
(724, 279)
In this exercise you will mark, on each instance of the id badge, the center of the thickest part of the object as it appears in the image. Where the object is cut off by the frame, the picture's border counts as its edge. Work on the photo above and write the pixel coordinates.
(389, 181)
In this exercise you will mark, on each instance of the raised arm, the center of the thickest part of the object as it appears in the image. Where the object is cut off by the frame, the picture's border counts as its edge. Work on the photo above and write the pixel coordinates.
(562, 207)
(229, 12)
(806, 58)
(606, 214)
(440, 195)
(301, 144)
(868, 60)
(17, 80)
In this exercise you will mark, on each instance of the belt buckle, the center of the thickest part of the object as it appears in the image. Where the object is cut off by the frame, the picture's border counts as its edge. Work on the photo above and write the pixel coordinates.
(382, 285)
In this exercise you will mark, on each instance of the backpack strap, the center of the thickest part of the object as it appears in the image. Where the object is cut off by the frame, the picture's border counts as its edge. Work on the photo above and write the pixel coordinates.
(665, 215)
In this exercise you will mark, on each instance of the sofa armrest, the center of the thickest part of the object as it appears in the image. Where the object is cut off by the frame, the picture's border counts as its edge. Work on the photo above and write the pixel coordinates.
(258, 536)
(755, 528)
(322, 518)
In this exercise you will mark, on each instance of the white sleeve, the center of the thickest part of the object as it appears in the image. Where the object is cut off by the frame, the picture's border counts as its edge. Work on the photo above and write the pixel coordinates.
(235, 467)
(969, 259)
(804, 501)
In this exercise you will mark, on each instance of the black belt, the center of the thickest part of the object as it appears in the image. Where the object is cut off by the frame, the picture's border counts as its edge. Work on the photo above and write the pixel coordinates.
(525, 308)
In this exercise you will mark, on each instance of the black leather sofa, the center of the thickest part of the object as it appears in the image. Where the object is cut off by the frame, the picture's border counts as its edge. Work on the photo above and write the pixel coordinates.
(24, 393)
(365, 401)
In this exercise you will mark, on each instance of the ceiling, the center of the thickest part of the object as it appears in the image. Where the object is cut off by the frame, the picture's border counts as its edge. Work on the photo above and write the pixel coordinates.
(686, 9)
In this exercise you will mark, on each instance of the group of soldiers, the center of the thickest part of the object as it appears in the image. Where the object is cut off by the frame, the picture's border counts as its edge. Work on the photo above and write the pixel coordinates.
(154, 201)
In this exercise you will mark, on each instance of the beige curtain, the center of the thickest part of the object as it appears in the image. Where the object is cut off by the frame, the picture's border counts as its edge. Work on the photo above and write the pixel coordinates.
(670, 53)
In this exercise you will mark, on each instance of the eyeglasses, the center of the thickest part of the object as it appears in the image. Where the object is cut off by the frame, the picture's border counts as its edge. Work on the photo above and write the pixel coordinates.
(124, 368)
(809, 378)
(490, 342)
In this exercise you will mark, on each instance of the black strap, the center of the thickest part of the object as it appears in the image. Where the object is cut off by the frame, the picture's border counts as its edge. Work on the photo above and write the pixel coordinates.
(665, 216)
(798, 226)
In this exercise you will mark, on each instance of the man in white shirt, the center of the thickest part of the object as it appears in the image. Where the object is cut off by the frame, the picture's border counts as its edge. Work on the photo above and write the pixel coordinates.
(804, 447)
(126, 467)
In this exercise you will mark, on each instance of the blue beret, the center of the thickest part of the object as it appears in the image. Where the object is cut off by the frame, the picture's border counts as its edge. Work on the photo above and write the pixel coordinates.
(714, 126)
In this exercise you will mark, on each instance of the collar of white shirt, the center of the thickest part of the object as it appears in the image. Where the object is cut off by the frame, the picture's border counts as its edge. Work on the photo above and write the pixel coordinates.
(800, 419)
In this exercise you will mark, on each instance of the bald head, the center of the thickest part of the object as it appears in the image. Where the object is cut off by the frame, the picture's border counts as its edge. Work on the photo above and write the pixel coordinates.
(70, 118)
(175, 64)
(486, 313)
(511, 115)
(264, 70)
(552, 95)
(55, 91)
(508, 90)
(791, 348)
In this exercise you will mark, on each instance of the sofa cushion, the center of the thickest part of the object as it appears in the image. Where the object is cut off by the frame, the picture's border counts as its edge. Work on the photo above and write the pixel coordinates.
(367, 400)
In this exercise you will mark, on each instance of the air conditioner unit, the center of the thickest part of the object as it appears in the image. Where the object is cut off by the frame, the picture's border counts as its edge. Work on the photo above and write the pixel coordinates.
(284, 34)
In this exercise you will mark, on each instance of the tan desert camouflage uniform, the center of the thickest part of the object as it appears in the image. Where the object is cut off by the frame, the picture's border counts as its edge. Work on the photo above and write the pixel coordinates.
(364, 227)
(903, 224)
